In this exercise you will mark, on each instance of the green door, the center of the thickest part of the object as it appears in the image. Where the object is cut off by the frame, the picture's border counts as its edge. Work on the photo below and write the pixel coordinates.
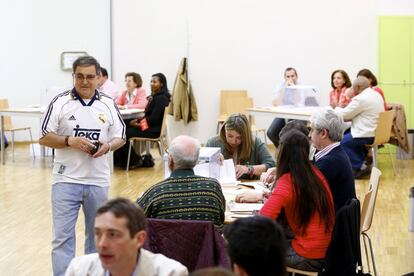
(396, 61)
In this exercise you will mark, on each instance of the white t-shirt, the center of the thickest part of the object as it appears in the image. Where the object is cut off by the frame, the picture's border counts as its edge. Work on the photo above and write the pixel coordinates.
(98, 120)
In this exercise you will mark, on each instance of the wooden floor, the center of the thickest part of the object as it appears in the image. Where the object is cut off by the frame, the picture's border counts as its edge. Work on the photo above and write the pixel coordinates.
(25, 215)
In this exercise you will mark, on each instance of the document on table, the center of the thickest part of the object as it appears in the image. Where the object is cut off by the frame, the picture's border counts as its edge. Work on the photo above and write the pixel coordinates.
(244, 207)
(256, 185)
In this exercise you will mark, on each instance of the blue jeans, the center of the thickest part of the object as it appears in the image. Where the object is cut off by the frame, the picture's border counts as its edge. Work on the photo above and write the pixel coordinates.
(355, 149)
(66, 201)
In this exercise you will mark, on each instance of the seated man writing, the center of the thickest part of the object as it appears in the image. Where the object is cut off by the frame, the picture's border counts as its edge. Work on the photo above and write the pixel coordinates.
(184, 195)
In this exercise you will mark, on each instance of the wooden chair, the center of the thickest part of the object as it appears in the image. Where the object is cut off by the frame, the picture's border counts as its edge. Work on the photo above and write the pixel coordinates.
(367, 214)
(161, 140)
(382, 136)
(8, 127)
(226, 98)
(240, 105)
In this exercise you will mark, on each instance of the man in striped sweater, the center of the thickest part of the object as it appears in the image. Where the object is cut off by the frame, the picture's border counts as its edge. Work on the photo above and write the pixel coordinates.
(185, 195)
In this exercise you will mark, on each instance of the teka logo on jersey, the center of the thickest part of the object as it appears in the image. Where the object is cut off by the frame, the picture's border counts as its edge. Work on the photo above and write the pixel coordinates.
(91, 134)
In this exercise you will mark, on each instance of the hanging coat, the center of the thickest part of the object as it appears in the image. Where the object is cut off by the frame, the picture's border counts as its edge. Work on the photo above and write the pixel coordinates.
(183, 105)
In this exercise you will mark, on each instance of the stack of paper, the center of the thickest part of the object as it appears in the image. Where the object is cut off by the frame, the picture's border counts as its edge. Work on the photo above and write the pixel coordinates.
(244, 207)
(228, 173)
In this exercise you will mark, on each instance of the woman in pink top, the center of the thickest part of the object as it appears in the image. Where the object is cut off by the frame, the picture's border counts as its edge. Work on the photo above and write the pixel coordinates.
(135, 96)
(341, 94)
(302, 192)
(373, 83)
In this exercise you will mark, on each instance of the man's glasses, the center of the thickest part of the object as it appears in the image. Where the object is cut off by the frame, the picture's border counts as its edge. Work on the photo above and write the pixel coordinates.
(81, 77)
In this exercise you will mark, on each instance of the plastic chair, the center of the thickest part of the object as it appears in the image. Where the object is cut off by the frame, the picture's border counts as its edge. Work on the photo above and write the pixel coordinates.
(161, 140)
(382, 136)
(367, 214)
(8, 127)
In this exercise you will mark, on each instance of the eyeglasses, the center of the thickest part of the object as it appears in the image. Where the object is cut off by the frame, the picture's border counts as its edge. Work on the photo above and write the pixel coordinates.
(81, 77)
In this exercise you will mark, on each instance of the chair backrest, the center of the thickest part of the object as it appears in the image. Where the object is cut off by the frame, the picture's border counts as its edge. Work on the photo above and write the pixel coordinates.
(344, 251)
(239, 105)
(195, 244)
(163, 132)
(384, 126)
(370, 198)
(4, 104)
(227, 96)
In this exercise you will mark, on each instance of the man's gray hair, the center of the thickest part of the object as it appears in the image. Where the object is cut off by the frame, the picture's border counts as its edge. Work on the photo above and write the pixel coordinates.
(331, 121)
(184, 151)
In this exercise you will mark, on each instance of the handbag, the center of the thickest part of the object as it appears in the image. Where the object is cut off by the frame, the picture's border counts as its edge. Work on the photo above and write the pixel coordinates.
(144, 124)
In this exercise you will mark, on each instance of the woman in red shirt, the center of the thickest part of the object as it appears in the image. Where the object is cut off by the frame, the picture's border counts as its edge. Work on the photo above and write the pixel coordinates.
(342, 93)
(303, 193)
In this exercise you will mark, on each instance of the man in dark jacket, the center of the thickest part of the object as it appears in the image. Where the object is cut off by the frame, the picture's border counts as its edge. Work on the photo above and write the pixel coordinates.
(326, 132)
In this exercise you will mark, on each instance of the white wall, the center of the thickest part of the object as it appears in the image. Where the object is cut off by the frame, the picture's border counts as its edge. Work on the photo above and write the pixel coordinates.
(33, 34)
(243, 44)
(230, 44)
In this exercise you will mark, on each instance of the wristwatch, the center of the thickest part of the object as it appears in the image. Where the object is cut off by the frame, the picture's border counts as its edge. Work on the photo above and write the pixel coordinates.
(250, 170)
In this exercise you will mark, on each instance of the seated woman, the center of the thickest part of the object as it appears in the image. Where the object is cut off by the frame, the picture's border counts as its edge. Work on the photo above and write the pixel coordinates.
(236, 141)
(303, 193)
(285, 96)
(373, 83)
(342, 93)
(135, 96)
(148, 126)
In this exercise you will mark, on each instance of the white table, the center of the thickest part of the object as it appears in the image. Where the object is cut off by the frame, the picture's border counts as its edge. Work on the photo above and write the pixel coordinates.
(37, 112)
(286, 112)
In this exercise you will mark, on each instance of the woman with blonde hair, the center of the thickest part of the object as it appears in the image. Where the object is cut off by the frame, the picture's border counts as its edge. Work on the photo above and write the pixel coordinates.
(250, 155)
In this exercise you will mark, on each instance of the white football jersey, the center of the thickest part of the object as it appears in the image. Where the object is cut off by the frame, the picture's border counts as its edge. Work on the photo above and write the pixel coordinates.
(97, 120)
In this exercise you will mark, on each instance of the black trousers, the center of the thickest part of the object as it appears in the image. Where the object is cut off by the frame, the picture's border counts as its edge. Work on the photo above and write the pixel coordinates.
(121, 154)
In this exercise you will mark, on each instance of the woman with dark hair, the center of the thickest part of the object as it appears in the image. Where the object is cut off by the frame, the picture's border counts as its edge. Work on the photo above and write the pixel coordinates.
(342, 93)
(373, 83)
(135, 96)
(303, 193)
(148, 126)
(249, 153)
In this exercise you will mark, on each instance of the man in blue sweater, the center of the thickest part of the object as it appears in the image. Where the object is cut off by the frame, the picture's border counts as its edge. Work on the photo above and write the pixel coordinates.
(326, 132)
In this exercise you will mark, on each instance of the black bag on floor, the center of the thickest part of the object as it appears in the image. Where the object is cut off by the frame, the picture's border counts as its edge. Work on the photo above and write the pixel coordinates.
(147, 161)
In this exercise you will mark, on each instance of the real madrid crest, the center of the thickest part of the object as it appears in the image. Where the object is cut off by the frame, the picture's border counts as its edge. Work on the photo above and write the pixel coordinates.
(102, 118)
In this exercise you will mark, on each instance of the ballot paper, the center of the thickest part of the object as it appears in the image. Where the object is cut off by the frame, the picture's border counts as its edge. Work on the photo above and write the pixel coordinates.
(244, 207)
(228, 173)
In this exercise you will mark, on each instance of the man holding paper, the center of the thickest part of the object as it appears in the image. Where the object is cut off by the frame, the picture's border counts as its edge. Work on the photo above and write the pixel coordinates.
(185, 195)
(285, 95)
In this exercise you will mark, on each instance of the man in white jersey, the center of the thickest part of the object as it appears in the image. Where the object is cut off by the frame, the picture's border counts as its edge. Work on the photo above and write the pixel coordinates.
(82, 125)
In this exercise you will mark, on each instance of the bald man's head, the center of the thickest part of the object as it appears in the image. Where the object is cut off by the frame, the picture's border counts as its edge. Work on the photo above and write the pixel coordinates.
(184, 152)
(360, 84)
